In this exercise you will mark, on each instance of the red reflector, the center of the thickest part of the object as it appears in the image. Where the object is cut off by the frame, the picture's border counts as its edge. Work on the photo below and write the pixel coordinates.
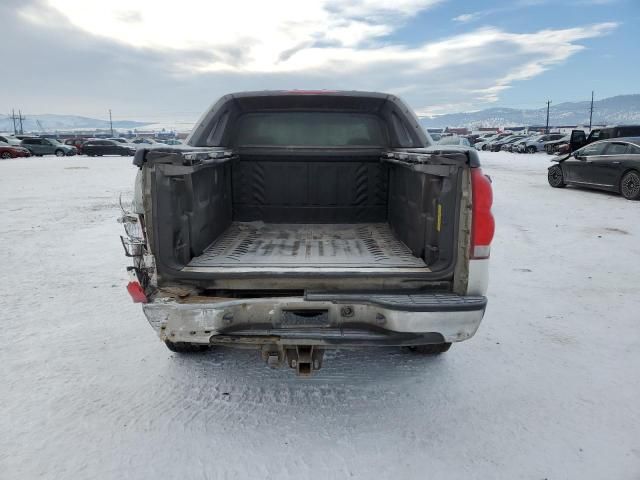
(136, 292)
(482, 224)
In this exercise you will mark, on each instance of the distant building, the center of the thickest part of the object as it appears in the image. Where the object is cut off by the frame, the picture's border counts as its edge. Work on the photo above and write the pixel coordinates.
(159, 135)
(457, 131)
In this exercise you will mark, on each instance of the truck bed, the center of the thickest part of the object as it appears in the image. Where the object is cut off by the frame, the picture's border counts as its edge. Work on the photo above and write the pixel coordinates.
(259, 244)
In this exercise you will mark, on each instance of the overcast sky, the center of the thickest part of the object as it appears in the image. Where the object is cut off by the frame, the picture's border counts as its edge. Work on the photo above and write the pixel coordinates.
(152, 63)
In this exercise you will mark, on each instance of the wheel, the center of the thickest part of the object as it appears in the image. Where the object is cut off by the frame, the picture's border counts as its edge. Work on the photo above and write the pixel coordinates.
(59, 153)
(431, 349)
(531, 149)
(6, 155)
(556, 177)
(184, 347)
(630, 185)
(484, 147)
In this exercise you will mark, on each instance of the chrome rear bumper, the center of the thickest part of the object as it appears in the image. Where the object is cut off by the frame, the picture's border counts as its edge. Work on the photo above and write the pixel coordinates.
(322, 319)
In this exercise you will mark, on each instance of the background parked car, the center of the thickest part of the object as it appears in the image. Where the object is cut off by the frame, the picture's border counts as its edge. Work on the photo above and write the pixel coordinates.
(454, 140)
(479, 144)
(612, 165)
(143, 142)
(10, 140)
(496, 146)
(75, 142)
(484, 145)
(123, 141)
(172, 142)
(514, 146)
(551, 147)
(12, 151)
(563, 149)
(537, 143)
(99, 148)
(485, 136)
(48, 146)
(508, 145)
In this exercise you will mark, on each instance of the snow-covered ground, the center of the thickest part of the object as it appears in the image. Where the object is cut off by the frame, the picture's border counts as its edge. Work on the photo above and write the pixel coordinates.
(548, 388)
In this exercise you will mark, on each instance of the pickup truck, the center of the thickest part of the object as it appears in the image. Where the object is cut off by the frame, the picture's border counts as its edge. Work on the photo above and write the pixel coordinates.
(579, 138)
(298, 221)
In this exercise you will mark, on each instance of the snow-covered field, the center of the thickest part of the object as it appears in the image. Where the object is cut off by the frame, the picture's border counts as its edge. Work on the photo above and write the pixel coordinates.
(548, 388)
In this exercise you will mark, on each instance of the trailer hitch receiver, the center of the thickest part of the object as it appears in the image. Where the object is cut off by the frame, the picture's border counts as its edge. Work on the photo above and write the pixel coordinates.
(305, 359)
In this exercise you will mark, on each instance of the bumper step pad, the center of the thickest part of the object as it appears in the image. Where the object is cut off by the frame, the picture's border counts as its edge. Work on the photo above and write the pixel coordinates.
(416, 302)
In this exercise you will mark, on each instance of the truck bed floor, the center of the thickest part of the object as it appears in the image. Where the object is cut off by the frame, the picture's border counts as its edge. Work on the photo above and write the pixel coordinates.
(307, 245)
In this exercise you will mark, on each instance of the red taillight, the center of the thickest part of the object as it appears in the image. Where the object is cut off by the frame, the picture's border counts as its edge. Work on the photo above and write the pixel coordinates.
(137, 292)
(482, 223)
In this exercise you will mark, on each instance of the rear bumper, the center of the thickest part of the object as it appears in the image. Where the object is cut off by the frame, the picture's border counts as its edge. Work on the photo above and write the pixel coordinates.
(350, 320)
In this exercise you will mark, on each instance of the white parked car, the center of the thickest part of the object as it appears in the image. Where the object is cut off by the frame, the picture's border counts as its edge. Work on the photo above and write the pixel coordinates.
(455, 140)
(537, 143)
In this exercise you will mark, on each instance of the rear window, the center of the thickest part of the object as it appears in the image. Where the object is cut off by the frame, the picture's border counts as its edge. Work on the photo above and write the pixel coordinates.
(309, 129)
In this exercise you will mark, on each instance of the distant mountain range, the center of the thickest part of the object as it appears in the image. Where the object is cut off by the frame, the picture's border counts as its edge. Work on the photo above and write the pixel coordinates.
(52, 123)
(622, 109)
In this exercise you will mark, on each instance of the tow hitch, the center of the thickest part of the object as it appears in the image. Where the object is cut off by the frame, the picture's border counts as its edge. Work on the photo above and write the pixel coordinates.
(304, 358)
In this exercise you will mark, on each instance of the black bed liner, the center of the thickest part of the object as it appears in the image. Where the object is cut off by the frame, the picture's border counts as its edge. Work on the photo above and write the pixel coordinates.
(360, 245)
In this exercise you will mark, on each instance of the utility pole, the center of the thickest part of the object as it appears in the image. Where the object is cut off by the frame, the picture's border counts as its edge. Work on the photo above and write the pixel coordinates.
(21, 118)
(13, 117)
(111, 122)
(546, 130)
(591, 111)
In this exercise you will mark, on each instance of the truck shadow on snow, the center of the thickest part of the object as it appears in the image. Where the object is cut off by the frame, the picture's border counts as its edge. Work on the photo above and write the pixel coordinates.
(234, 375)
(370, 390)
